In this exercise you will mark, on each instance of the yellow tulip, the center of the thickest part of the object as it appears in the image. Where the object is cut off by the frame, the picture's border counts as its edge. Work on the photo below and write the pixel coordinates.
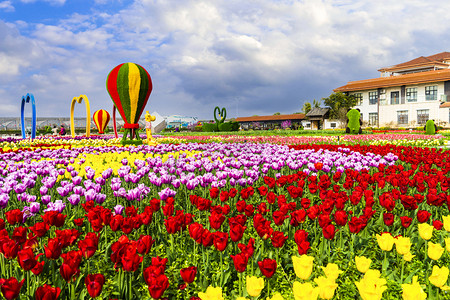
(331, 271)
(362, 263)
(408, 256)
(304, 291)
(403, 245)
(446, 221)
(277, 296)
(385, 241)
(326, 287)
(413, 291)
(371, 286)
(303, 266)
(254, 285)
(435, 251)
(212, 293)
(447, 244)
(439, 276)
(425, 231)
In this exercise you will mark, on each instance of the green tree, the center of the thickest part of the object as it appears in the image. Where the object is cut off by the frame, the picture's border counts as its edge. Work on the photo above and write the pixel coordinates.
(276, 114)
(339, 103)
(306, 107)
(316, 104)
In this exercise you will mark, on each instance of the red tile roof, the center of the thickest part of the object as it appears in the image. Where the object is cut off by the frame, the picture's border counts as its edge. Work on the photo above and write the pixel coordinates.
(406, 79)
(422, 61)
(271, 118)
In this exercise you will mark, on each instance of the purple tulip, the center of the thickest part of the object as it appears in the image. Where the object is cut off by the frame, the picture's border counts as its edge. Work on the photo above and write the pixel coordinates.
(118, 209)
(74, 199)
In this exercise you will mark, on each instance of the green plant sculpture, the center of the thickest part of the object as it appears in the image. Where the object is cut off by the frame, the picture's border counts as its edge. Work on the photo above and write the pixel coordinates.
(220, 125)
(354, 122)
(430, 127)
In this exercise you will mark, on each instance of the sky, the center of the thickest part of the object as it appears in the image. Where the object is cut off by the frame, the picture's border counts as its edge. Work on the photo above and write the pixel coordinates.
(253, 57)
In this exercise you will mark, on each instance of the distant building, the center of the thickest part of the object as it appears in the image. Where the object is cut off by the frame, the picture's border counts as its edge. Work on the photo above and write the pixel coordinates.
(175, 121)
(407, 94)
(270, 122)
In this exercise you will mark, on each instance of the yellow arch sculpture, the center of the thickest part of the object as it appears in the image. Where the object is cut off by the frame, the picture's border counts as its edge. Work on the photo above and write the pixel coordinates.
(88, 115)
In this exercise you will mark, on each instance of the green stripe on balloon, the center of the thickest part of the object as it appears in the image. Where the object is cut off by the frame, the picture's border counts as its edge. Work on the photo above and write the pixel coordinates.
(123, 90)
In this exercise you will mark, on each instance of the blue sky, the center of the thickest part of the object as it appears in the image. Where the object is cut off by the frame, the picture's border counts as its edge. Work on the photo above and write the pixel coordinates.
(253, 57)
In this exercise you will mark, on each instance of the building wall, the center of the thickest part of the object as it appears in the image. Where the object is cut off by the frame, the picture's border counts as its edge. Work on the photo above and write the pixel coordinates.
(388, 113)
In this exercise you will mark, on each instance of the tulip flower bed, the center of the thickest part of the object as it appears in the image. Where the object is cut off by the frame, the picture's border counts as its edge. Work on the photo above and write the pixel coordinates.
(225, 220)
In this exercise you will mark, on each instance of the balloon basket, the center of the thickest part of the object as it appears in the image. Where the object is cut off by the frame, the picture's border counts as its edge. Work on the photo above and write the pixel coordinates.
(131, 141)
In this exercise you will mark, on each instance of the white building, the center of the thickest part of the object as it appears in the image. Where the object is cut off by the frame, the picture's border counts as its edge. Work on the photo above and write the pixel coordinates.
(407, 94)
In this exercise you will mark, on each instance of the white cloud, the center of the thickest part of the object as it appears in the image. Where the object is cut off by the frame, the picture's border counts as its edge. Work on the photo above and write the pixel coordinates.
(6, 6)
(270, 54)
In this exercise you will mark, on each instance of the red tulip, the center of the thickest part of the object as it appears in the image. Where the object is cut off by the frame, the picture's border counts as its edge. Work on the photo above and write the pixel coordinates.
(130, 259)
(297, 217)
(47, 292)
(78, 222)
(26, 259)
(236, 231)
(94, 284)
(268, 267)
(328, 231)
(248, 249)
(38, 268)
(278, 238)
(68, 272)
(188, 274)
(116, 222)
(438, 224)
(388, 218)
(406, 221)
(240, 261)
(89, 245)
(214, 192)
(11, 287)
(9, 248)
(40, 229)
(423, 216)
(53, 249)
(220, 240)
(144, 244)
(340, 217)
(224, 195)
(14, 216)
(216, 220)
(157, 285)
(279, 217)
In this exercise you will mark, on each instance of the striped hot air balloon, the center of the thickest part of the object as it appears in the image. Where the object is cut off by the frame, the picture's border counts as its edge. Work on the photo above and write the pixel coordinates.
(129, 86)
(101, 119)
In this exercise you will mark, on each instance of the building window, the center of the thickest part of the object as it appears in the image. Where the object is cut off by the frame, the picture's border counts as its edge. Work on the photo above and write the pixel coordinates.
(395, 97)
(423, 115)
(359, 98)
(402, 117)
(333, 125)
(431, 93)
(373, 97)
(308, 125)
(411, 94)
(373, 119)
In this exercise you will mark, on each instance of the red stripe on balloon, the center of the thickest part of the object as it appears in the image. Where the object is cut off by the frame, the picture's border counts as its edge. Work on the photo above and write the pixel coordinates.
(112, 88)
(100, 120)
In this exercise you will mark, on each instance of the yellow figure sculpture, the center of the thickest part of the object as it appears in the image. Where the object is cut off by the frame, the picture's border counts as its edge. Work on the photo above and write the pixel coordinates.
(148, 125)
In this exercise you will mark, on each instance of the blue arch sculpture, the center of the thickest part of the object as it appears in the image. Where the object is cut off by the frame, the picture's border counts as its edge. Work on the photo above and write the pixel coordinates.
(27, 99)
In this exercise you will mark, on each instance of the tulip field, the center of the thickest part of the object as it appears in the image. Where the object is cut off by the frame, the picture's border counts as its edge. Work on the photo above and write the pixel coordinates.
(226, 217)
